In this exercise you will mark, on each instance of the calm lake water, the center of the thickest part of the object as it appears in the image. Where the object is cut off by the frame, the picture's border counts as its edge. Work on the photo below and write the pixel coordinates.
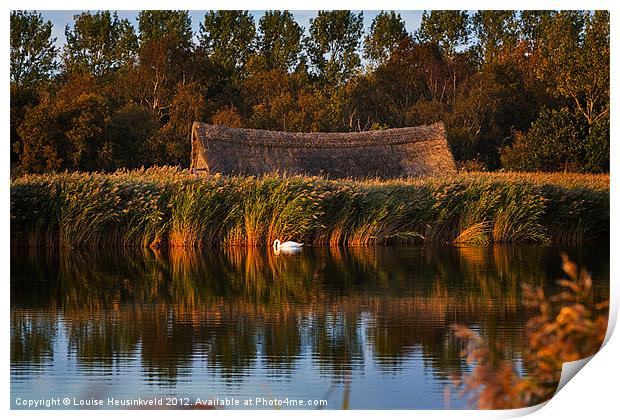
(359, 328)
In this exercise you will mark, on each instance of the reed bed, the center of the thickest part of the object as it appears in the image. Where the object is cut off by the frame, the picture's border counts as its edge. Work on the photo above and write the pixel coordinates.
(168, 207)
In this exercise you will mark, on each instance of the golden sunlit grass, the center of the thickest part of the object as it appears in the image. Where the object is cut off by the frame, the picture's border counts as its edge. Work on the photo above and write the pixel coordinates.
(171, 207)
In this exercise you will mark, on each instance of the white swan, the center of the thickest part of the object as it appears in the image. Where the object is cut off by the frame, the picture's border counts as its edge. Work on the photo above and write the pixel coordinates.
(286, 246)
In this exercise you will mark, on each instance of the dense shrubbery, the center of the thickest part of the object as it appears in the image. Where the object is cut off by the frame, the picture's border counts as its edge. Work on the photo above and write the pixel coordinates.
(559, 141)
(168, 207)
(534, 84)
(555, 142)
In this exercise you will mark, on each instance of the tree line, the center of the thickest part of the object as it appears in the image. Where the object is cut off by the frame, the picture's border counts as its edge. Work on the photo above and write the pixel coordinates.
(520, 90)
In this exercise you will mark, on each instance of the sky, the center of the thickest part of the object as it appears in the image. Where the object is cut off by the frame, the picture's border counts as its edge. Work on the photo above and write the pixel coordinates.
(61, 18)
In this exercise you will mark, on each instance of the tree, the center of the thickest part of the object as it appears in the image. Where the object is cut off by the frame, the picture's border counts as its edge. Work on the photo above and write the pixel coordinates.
(387, 30)
(555, 142)
(269, 93)
(21, 100)
(99, 43)
(489, 106)
(280, 100)
(279, 40)
(129, 130)
(33, 54)
(38, 152)
(333, 45)
(414, 73)
(155, 77)
(67, 131)
(227, 37)
(165, 56)
(447, 29)
(171, 145)
(32, 62)
(495, 30)
(575, 61)
(157, 24)
(530, 26)
(498, 80)
(228, 116)
(597, 147)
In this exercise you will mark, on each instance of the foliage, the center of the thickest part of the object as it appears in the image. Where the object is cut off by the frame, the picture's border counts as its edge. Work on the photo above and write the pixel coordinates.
(156, 24)
(68, 132)
(99, 43)
(174, 208)
(508, 85)
(279, 40)
(489, 105)
(227, 37)
(555, 142)
(565, 327)
(597, 147)
(134, 126)
(496, 30)
(446, 29)
(387, 30)
(575, 61)
(333, 43)
(228, 116)
(33, 53)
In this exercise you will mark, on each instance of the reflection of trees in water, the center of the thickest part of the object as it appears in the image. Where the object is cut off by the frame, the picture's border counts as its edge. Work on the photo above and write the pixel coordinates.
(98, 342)
(167, 342)
(231, 345)
(335, 340)
(32, 337)
(229, 308)
(281, 340)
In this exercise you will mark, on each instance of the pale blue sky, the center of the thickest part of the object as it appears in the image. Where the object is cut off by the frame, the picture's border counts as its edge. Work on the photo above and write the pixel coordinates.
(60, 18)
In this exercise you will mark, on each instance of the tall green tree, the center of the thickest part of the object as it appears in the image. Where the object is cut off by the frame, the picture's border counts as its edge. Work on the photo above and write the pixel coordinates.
(387, 30)
(227, 37)
(33, 61)
(279, 40)
(165, 55)
(447, 29)
(449, 32)
(333, 44)
(531, 25)
(157, 24)
(495, 30)
(99, 43)
(33, 53)
(575, 61)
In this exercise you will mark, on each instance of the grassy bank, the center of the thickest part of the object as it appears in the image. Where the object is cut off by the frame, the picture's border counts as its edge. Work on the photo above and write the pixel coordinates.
(167, 207)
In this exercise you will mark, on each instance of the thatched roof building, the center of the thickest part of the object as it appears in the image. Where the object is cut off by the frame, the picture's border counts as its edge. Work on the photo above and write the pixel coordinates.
(399, 152)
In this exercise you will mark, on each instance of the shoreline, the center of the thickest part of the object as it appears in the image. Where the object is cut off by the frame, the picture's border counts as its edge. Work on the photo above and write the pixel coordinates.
(168, 208)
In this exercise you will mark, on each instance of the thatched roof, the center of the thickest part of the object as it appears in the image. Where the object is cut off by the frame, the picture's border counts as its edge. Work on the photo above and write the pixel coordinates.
(399, 152)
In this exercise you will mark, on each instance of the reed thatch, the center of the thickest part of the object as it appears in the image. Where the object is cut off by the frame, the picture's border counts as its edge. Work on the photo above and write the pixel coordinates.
(399, 152)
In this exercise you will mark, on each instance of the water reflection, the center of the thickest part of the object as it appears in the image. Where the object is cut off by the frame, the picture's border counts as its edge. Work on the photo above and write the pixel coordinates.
(253, 322)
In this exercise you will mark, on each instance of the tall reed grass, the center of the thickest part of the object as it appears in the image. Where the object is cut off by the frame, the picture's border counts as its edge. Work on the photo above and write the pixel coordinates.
(161, 207)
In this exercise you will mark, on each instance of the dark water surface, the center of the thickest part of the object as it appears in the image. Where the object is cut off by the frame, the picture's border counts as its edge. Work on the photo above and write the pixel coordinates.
(360, 328)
